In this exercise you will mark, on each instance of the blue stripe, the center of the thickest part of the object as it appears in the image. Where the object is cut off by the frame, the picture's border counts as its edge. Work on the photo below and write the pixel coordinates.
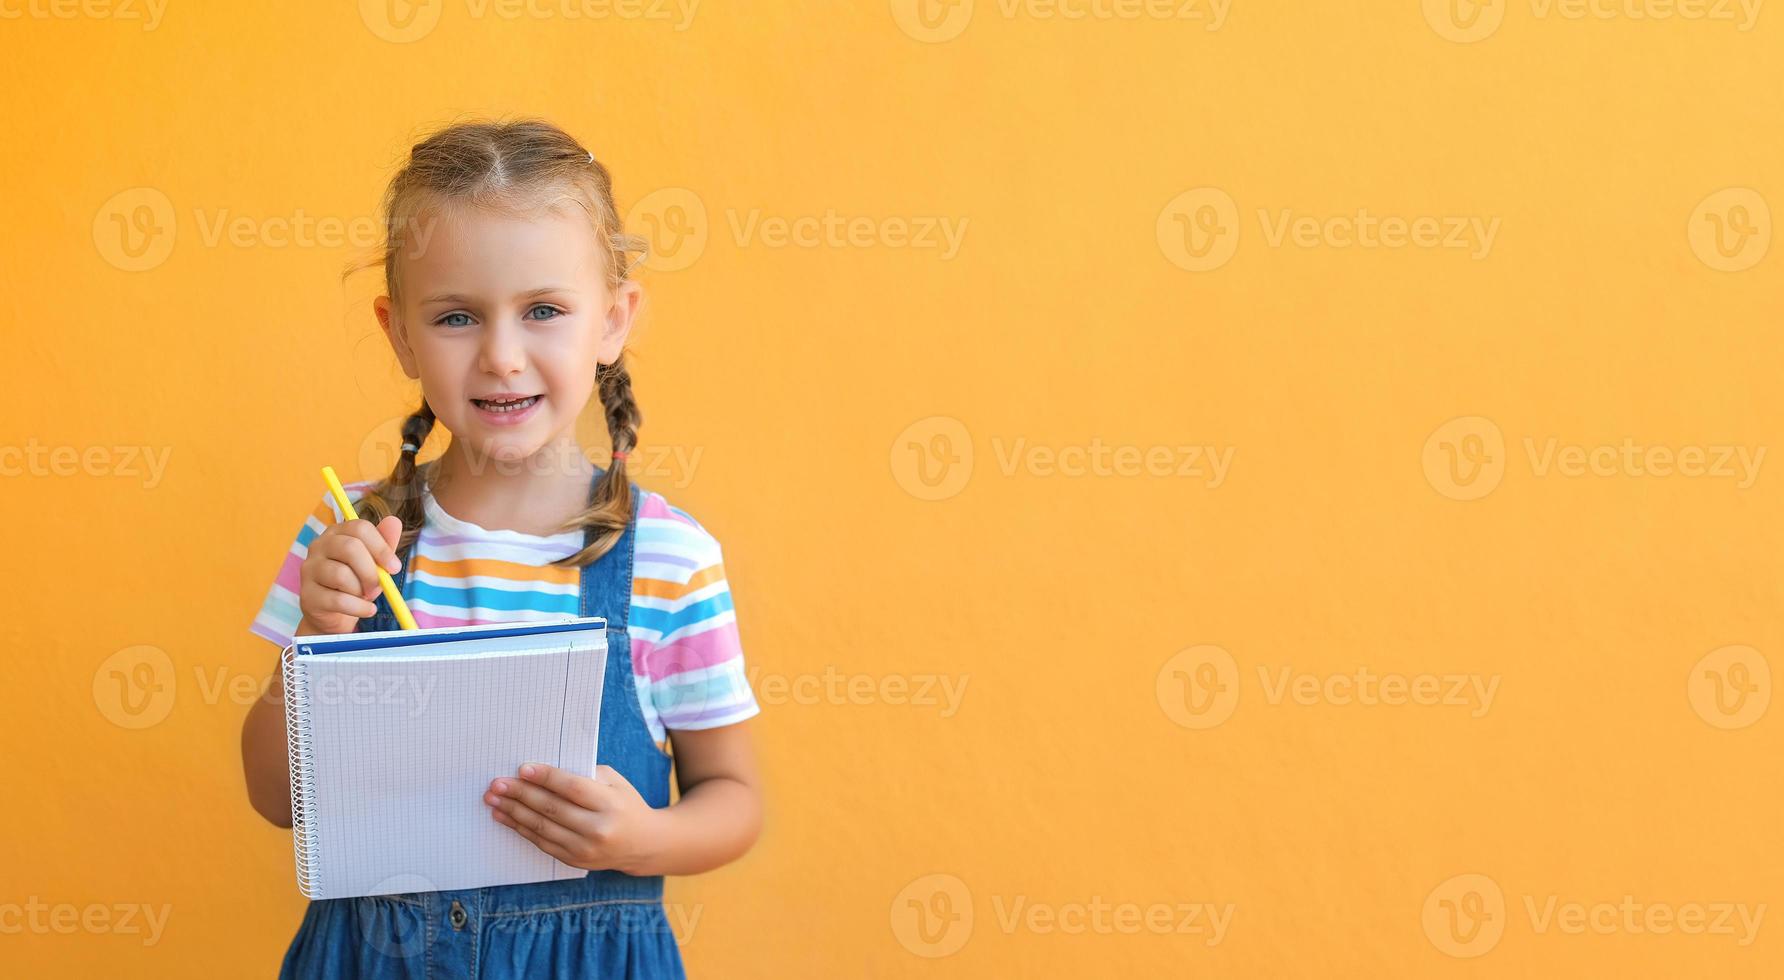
(280, 611)
(531, 600)
(673, 696)
(664, 622)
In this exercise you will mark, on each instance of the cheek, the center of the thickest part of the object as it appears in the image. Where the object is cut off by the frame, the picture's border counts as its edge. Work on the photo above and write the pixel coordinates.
(572, 384)
(572, 366)
(438, 377)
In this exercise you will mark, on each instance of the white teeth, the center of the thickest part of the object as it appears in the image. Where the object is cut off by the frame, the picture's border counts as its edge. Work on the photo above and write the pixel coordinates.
(506, 406)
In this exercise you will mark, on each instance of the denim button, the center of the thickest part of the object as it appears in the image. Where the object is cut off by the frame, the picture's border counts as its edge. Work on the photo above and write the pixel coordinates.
(458, 915)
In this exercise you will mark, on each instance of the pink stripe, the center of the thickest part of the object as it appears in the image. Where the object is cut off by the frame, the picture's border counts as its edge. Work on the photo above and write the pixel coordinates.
(697, 652)
(291, 574)
(653, 505)
(427, 620)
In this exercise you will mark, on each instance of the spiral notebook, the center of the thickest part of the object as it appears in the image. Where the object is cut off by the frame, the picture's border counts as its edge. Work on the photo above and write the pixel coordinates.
(394, 738)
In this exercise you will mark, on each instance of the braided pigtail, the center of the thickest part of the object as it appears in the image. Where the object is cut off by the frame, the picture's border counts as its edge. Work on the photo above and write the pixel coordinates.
(400, 492)
(611, 509)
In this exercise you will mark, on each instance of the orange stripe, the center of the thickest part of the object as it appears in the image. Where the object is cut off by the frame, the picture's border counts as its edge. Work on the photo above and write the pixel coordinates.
(496, 568)
(657, 588)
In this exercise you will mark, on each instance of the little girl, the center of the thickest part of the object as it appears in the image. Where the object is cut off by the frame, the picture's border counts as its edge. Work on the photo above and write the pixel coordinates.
(505, 269)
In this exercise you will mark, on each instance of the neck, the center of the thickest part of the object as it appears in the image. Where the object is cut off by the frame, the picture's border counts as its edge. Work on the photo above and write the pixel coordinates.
(536, 494)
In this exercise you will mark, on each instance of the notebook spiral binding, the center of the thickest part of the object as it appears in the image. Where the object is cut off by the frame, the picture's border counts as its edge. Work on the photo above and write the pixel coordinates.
(297, 748)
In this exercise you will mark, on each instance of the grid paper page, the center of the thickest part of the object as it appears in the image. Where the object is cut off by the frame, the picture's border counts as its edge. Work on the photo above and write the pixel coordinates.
(404, 745)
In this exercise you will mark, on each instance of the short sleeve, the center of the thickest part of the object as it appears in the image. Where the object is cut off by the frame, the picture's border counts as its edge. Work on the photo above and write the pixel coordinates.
(686, 655)
(279, 614)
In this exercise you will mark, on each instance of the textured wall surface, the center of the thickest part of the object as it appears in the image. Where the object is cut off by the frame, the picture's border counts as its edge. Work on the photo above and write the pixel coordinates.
(1239, 489)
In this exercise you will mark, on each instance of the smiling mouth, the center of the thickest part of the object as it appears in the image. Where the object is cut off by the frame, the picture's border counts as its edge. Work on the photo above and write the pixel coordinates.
(507, 403)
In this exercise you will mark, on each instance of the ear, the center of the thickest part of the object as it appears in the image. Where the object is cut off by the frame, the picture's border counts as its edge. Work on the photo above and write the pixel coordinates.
(618, 323)
(393, 331)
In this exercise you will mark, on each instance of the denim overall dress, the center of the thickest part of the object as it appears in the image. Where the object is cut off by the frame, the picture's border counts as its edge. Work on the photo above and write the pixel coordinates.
(606, 924)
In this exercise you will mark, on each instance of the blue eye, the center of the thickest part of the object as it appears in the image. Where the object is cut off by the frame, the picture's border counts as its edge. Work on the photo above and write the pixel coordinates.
(463, 318)
(553, 312)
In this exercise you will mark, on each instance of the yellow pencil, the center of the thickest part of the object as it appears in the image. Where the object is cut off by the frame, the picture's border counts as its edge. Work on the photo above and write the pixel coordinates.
(391, 595)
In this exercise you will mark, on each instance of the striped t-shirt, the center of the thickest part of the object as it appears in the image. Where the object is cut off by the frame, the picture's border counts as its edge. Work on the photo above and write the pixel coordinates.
(686, 658)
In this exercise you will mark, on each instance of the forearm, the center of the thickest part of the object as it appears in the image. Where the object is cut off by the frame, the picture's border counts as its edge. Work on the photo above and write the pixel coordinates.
(265, 759)
(714, 823)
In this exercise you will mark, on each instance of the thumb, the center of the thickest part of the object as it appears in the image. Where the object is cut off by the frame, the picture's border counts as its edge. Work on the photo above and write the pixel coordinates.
(392, 529)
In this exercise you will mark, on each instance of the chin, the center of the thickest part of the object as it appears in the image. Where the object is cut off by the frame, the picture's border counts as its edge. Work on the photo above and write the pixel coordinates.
(506, 452)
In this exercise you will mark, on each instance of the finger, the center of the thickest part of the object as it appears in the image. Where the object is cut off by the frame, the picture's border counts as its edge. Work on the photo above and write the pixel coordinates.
(581, 790)
(379, 545)
(331, 574)
(341, 577)
(350, 549)
(321, 599)
(549, 828)
(551, 806)
(391, 530)
(545, 844)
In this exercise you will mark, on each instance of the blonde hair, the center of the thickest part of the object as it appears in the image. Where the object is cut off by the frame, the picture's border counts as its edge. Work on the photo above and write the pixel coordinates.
(512, 167)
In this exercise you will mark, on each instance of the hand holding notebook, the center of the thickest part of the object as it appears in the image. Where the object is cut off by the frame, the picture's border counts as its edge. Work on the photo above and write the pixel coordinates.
(394, 738)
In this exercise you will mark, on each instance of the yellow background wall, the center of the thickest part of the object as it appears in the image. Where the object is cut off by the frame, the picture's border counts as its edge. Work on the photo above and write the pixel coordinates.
(1151, 667)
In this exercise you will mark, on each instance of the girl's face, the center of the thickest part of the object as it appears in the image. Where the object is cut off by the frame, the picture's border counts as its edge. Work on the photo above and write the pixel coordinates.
(503, 320)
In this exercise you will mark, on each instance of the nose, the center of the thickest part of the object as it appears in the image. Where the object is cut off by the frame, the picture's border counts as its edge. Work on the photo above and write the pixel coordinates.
(503, 352)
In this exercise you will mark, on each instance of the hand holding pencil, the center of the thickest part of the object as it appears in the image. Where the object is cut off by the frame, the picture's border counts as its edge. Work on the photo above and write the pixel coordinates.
(347, 565)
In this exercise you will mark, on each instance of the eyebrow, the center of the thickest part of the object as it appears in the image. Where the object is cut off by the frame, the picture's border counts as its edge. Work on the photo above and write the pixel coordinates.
(461, 298)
